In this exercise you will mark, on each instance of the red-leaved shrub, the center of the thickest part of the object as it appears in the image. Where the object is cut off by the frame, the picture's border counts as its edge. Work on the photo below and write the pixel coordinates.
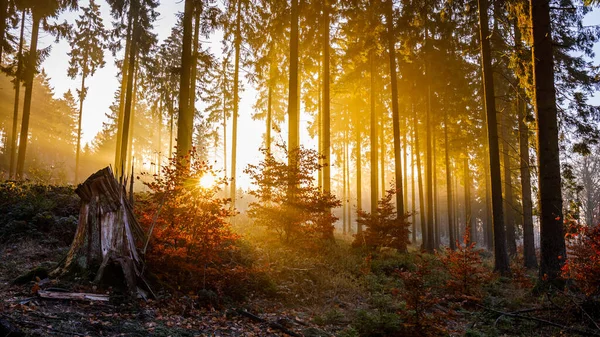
(191, 246)
(583, 262)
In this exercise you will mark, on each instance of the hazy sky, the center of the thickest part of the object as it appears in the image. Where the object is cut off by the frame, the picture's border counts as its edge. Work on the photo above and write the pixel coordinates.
(104, 83)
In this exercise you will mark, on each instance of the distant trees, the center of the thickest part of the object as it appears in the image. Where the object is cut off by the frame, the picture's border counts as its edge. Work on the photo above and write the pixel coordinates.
(40, 11)
(87, 54)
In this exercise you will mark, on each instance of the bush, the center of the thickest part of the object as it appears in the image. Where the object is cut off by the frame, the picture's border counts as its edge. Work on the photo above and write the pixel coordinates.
(192, 246)
(384, 228)
(465, 268)
(288, 200)
(42, 212)
(419, 292)
(583, 263)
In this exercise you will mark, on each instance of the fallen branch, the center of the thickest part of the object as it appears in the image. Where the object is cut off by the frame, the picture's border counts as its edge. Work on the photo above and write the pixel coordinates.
(73, 296)
(271, 324)
(543, 321)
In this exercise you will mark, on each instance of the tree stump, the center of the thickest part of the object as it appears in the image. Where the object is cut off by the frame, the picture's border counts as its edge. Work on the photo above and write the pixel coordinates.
(107, 233)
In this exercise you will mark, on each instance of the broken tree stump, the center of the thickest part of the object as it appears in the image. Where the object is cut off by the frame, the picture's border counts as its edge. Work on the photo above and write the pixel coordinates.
(107, 233)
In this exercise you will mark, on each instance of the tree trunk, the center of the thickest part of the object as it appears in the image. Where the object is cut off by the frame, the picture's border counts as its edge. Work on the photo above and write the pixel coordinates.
(326, 118)
(489, 231)
(428, 241)
(395, 112)
(78, 148)
(530, 259)
(270, 107)
(358, 168)
(509, 218)
(551, 219)
(344, 191)
(236, 103)
(3, 15)
(500, 256)
(451, 236)
(422, 221)
(28, 93)
(382, 154)
(128, 100)
(436, 221)
(320, 121)
(413, 202)
(15, 122)
(185, 124)
(373, 139)
(122, 95)
(468, 214)
(293, 113)
(129, 162)
(528, 236)
(194, 70)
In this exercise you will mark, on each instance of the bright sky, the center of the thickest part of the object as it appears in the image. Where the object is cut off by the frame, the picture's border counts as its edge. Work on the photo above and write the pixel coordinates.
(104, 83)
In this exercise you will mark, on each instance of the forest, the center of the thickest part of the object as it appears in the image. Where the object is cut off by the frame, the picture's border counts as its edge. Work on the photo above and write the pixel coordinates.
(299, 168)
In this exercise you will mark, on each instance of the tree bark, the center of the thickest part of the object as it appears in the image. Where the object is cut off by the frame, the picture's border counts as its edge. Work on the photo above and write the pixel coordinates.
(552, 243)
(15, 121)
(395, 112)
(29, 75)
(185, 124)
(500, 255)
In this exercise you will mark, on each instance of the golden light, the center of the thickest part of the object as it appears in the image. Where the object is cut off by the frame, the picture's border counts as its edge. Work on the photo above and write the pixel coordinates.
(207, 181)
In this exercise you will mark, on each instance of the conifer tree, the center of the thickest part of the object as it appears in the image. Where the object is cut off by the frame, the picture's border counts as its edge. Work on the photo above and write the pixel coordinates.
(87, 55)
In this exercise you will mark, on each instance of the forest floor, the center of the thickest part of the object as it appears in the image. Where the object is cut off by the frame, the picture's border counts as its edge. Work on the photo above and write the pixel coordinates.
(335, 292)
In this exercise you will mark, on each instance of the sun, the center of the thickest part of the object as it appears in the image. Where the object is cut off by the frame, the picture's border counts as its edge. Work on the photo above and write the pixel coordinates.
(207, 181)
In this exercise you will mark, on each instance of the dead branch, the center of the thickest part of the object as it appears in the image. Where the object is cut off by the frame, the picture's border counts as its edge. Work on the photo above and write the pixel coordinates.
(72, 296)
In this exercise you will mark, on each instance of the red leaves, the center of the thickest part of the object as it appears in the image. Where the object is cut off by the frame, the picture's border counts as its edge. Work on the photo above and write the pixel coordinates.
(583, 259)
(190, 236)
(464, 265)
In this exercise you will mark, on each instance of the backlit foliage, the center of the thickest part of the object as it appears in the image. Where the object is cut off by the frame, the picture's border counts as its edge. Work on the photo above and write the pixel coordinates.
(383, 229)
(191, 245)
(289, 202)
